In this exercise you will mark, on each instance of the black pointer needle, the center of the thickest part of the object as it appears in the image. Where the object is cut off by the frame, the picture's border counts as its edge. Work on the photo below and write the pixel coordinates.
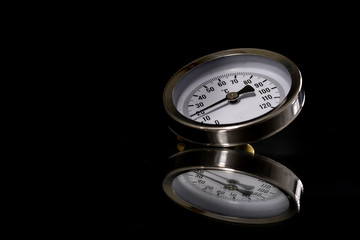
(228, 186)
(247, 187)
(231, 96)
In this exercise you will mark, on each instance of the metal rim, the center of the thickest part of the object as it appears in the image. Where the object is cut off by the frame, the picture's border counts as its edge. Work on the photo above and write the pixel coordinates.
(239, 133)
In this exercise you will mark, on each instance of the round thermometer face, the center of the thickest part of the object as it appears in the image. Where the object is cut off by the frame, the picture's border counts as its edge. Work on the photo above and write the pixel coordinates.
(233, 97)
(230, 90)
(230, 193)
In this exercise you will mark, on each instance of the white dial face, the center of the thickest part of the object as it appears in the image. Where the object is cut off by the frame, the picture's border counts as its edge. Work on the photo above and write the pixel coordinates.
(232, 90)
(230, 193)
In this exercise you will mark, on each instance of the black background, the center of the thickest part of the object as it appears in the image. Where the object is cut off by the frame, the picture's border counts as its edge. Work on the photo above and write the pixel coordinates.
(132, 142)
(90, 119)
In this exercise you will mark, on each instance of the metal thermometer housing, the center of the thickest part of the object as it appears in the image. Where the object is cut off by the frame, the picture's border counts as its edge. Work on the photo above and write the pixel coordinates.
(233, 97)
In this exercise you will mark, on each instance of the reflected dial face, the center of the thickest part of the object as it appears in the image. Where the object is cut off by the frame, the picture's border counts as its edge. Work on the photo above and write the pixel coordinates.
(230, 193)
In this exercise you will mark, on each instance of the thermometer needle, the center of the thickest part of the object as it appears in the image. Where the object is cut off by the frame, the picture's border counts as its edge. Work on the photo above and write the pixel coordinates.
(232, 96)
(248, 187)
(228, 186)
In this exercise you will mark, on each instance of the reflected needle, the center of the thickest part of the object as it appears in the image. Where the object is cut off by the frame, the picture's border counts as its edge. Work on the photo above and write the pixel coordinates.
(228, 186)
(248, 187)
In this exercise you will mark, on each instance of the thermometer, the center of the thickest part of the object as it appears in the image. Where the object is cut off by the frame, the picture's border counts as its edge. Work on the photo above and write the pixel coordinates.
(233, 97)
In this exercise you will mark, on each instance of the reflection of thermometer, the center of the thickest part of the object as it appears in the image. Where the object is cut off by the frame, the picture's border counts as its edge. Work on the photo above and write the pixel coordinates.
(233, 97)
(264, 200)
(233, 186)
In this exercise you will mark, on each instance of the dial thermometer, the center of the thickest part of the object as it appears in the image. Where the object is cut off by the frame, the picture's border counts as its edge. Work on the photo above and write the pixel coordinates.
(233, 97)
(233, 186)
